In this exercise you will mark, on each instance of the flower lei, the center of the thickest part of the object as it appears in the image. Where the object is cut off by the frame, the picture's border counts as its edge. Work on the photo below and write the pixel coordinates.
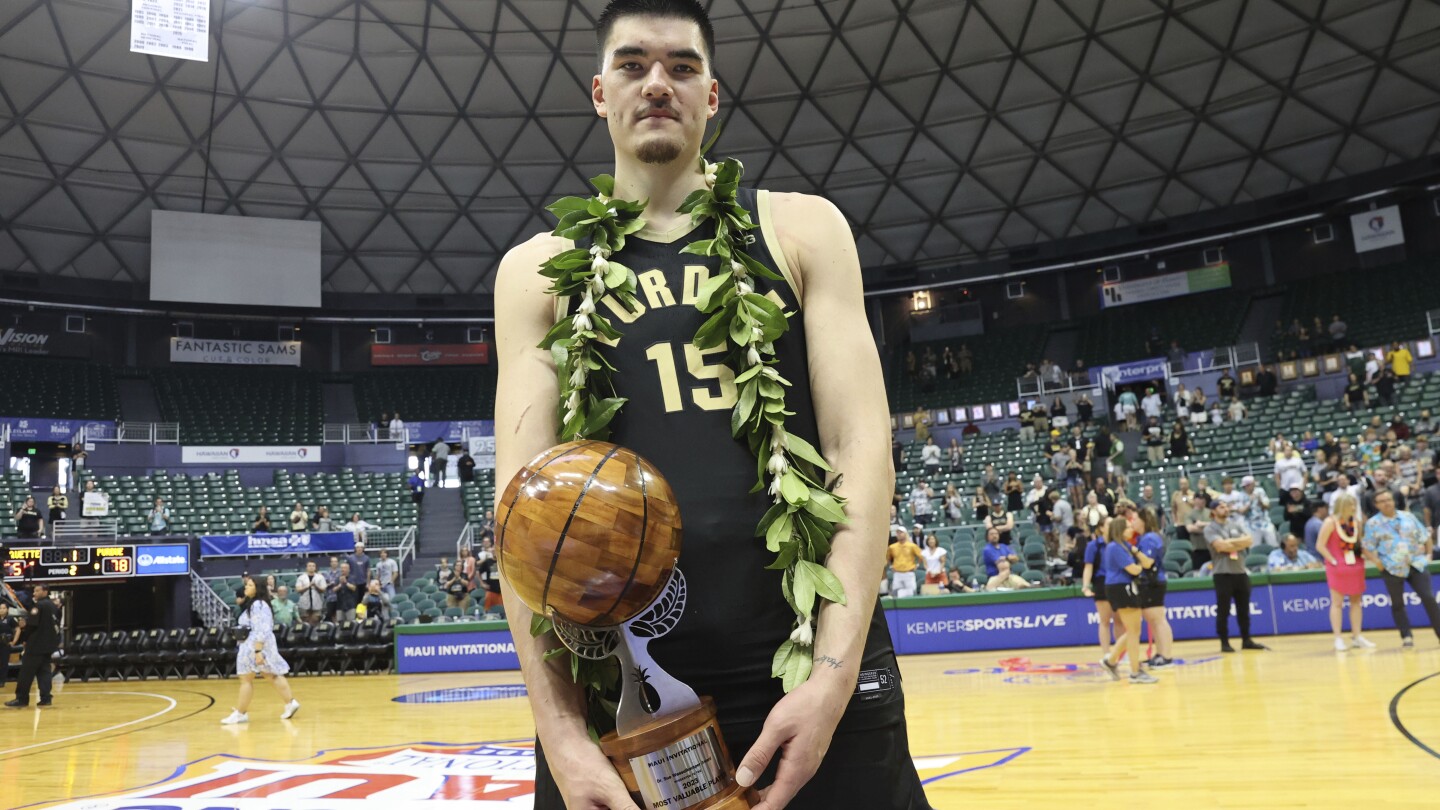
(799, 525)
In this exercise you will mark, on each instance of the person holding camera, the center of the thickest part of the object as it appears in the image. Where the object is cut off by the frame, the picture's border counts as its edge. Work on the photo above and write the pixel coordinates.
(1124, 566)
(29, 525)
(257, 653)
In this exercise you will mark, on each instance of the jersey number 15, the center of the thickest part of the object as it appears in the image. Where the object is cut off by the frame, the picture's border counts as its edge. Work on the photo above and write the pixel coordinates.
(704, 396)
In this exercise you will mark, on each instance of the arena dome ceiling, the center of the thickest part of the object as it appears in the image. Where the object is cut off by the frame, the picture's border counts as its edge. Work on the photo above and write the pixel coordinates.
(426, 135)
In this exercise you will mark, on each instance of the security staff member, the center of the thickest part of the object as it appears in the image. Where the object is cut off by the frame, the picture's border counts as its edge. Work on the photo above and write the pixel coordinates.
(42, 639)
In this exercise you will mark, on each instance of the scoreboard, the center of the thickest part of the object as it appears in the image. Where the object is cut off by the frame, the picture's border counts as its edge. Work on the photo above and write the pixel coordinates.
(51, 563)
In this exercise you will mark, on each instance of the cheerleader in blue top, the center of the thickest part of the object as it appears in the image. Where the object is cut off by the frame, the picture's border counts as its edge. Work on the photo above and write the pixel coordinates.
(1152, 595)
(1092, 584)
(1123, 562)
(258, 653)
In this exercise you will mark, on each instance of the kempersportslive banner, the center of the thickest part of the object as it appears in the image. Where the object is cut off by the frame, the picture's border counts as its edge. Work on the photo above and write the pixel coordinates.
(258, 545)
(235, 352)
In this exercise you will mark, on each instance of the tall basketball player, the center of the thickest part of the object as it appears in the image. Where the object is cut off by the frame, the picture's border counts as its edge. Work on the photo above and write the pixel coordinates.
(827, 744)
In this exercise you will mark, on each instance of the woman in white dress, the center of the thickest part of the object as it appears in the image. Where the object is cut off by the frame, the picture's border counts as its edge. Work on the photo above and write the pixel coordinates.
(258, 653)
(934, 555)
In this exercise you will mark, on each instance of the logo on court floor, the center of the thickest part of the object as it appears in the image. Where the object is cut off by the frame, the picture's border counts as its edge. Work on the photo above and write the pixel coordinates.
(479, 776)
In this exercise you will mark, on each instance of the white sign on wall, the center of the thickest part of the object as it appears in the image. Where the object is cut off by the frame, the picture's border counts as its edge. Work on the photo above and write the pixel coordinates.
(176, 28)
(482, 448)
(235, 352)
(1377, 229)
(254, 454)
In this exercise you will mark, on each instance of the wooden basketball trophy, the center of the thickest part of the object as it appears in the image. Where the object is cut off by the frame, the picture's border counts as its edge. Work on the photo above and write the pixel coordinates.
(588, 534)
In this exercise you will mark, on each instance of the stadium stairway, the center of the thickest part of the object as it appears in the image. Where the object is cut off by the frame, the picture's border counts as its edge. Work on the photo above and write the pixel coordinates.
(442, 516)
(1260, 322)
(137, 399)
(339, 404)
(1061, 346)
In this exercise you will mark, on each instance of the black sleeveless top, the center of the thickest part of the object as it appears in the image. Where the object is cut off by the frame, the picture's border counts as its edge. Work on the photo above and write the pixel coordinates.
(678, 417)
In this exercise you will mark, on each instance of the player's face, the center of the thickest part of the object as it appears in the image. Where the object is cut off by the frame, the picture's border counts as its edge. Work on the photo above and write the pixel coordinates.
(655, 89)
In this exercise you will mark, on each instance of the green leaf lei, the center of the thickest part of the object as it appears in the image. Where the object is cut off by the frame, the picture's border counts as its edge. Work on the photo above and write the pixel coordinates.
(799, 526)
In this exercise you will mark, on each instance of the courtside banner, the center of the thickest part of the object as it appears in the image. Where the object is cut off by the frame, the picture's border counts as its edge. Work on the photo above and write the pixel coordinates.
(1170, 285)
(429, 354)
(251, 454)
(1377, 229)
(1000, 626)
(235, 352)
(1304, 607)
(455, 652)
(255, 545)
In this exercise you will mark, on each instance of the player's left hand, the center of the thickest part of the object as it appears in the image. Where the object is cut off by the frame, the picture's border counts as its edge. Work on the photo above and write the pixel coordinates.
(799, 728)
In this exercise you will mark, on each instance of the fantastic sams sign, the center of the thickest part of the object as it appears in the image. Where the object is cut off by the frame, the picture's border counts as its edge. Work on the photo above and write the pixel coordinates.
(235, 352)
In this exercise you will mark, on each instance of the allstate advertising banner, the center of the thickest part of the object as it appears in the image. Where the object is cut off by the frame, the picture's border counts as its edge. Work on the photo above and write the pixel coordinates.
(159, 561)
(27, 429)
(1377, 229)
(455, 652)
(252, 454)
(253, 545)
(235, 352)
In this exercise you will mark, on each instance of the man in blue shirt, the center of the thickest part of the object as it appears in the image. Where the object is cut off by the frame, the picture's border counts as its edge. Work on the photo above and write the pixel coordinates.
(1318, 512)
(1290, 557)
(1399, 546)
(994, 552)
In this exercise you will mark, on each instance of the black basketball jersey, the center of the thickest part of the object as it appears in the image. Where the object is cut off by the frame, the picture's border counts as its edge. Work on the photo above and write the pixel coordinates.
(678, 417)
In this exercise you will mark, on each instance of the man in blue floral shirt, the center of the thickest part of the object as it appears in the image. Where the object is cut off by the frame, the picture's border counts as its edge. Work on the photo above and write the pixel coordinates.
(1397, 543)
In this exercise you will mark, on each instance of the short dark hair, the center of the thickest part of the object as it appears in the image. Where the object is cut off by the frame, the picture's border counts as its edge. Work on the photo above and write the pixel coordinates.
(677, 9)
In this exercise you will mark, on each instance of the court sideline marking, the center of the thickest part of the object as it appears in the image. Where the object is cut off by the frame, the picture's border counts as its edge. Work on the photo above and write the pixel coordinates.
(1395, 715)
(164, 711)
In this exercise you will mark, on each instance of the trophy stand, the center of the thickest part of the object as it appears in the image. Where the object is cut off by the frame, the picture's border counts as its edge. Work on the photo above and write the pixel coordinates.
(667, 745)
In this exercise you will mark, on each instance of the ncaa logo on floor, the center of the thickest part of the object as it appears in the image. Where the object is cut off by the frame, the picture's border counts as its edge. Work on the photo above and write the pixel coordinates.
(483, 776)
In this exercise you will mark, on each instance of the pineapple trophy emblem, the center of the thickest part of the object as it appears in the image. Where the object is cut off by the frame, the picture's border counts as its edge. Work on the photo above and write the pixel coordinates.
(589, 536)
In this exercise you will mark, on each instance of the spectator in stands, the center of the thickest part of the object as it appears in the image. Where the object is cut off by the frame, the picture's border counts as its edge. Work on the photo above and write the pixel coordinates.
(1129, 406)
(1035, 493)
(1084, 410)
(387, 571)
(1319, 511)
(965, 358)
(912, 365)
(1400, 428)
(257, 653)
(299, 518)
(58, 502)
(357, 526)
(322, 521)
(1291, 557)
(466, 467)
(1199, 407)
(1180, 503)
(957, 456)
(1424, 426)
(1060, 461)
(982, 505)
(1305, 342)
(1398, 360)
(439, 462)
(159, 517)
(1385, 387)
(376, 601)
(1014, 493)
(930, 457)
(1289, 469)
(1176, 356)
(1042, 419)
(954, 505)
(1098, 452)
(359, 566)
(970, 429)
(382, 426)
(262, 520)
(487, 527)
(311, 587)
(282, 606)
(1396, 543)
(934, 555)
(1147, 501)
(397, 429)
(990, 481)
(443, 572)
(489, 576)
(1005, 579)
(332, 577)
(956, 583)
(1296, 508)
(1154, 442)
(1062, 513)
(1236, 411)
(1228, 543)
(1266, 382)
(1151, 405)
(1355, 396)
(922, 508)
(1059, 414)
(922, 425)
(1226, 388)
(417, 487)
(1257, 512)
(1337, 329)
(1093, 514)
(997, 548)
(458, 587)
(347, 590)
(1027, 422)
(1180, 444)
(29, 525)
(903, 557)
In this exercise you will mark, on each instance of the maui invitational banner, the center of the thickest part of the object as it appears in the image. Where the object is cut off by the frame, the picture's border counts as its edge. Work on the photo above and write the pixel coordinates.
(235, 352)
(429, 354)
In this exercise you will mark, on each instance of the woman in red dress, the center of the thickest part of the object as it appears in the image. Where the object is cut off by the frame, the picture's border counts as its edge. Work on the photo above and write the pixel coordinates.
(1344, 567)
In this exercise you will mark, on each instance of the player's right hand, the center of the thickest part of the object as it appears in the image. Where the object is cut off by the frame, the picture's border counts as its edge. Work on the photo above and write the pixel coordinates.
(586, 778)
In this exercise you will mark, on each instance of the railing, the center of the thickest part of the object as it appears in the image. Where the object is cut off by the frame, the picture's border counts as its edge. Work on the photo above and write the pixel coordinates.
(5, 435)
(207, 604)
(401, 542)
(133, 433)
(355, 433)
(1037, 387)
(466, 539)
(81, 531)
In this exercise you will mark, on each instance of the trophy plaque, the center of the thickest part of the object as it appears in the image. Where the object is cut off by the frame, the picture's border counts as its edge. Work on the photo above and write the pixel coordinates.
(588, 534)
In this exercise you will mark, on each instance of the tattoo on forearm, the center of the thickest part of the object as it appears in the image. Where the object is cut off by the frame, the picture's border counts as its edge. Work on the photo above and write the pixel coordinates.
(833, 663)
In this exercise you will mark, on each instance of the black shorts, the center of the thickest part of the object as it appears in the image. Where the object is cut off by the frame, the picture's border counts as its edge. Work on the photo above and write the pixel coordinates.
(1122, 597)
(1097, 586)
(868, 768)
(1154, 597)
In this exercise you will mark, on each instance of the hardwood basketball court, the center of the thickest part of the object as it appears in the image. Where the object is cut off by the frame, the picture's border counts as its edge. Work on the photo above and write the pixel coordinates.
(1301, 726)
